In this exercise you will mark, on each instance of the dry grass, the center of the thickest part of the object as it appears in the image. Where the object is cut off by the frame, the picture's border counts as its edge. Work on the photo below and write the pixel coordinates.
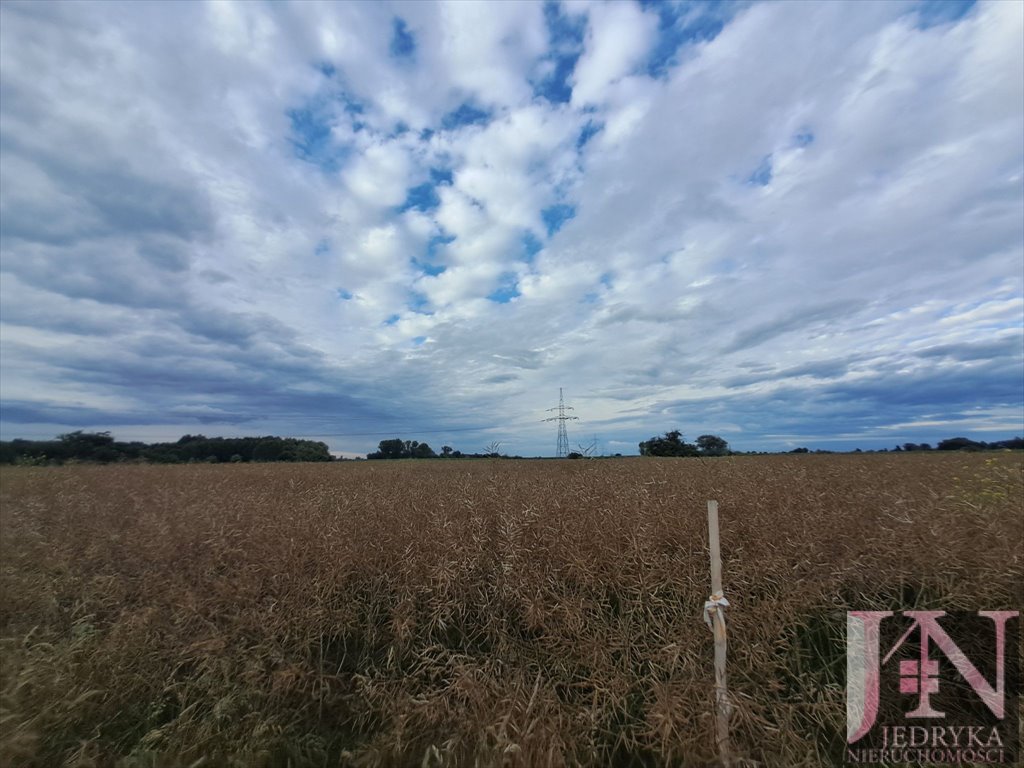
(468, 612)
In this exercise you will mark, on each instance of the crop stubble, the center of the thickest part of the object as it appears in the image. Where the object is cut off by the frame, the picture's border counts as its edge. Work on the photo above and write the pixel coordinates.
(469, 612)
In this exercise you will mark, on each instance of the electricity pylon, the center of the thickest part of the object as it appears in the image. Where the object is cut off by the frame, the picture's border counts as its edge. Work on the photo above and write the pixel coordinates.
(563, 435)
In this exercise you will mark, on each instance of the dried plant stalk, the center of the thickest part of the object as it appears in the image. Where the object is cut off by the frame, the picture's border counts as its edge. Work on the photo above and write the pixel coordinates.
(450, 613)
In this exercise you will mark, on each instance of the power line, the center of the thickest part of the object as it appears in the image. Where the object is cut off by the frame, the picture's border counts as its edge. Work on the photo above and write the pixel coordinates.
(562, 449)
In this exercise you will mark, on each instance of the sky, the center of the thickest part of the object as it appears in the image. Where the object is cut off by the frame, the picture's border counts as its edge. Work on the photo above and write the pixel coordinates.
(787, 223)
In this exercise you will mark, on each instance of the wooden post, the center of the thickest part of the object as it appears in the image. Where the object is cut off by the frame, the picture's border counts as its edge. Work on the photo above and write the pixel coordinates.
(715, 611)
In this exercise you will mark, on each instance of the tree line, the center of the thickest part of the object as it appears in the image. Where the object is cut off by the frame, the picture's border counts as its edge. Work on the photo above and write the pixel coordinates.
(397, 448)
(965, 444)
(673, 444)
(102, 448)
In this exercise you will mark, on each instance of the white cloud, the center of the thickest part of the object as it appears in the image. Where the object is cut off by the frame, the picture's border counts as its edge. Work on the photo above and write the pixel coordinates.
(514, 165)
(170, 211)
(487, 48)
(381, 175)
(619, 38)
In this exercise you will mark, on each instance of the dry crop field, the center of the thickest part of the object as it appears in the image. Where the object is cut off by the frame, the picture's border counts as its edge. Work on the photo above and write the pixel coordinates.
(469, 612)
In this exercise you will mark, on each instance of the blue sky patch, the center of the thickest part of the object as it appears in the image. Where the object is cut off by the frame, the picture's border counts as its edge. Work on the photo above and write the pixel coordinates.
(435, 243)
(441, 175)
(506, 291)
(531, 247)
(804, 138)
(422, 198)
(679, 26)
(311, 138)
(932, 13)
(466, 114)
(392, 319)
(762, 175)
(403, 42)
(418, 340)
(556, 216)
(565, 39)
(418, 302)
(350, 104)
(590, 130)
(343, 294)
(432, 270)
(322, 247)
(565, 32)
(311, 129)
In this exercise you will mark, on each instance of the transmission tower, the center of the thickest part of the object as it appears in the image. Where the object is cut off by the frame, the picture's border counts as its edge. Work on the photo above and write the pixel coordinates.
(563, 436)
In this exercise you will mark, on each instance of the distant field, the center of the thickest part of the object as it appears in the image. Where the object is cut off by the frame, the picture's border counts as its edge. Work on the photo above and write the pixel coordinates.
(469, 612)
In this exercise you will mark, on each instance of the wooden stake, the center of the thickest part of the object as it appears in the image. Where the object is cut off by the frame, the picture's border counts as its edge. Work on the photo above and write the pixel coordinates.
(722, 707)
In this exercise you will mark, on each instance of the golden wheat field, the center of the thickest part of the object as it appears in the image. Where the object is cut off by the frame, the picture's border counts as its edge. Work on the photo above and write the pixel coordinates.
(449, 613)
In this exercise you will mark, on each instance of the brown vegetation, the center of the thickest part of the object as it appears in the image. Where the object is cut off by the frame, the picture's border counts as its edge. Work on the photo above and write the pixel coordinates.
(485, 612)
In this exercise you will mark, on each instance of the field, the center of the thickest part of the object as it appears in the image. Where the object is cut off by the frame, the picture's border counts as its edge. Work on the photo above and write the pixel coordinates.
(491, 612)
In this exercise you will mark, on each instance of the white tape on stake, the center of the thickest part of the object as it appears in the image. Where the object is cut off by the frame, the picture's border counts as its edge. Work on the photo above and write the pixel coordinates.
(714, 609)
(713, 603)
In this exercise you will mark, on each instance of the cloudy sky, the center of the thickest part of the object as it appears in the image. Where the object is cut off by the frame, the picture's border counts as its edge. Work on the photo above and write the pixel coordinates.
(786, 223)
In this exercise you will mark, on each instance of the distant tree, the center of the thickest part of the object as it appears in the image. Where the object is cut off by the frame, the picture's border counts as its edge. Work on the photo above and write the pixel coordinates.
(389, 449)
(960, 444)
(100, 447)
(712, 445)
(84, 446)
(1015, 444)
(446, 451)
(800, 450)
(671, 444)
(306, 450)
(268, 449)
(423, 451)
(396, 448)
(80, 439)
